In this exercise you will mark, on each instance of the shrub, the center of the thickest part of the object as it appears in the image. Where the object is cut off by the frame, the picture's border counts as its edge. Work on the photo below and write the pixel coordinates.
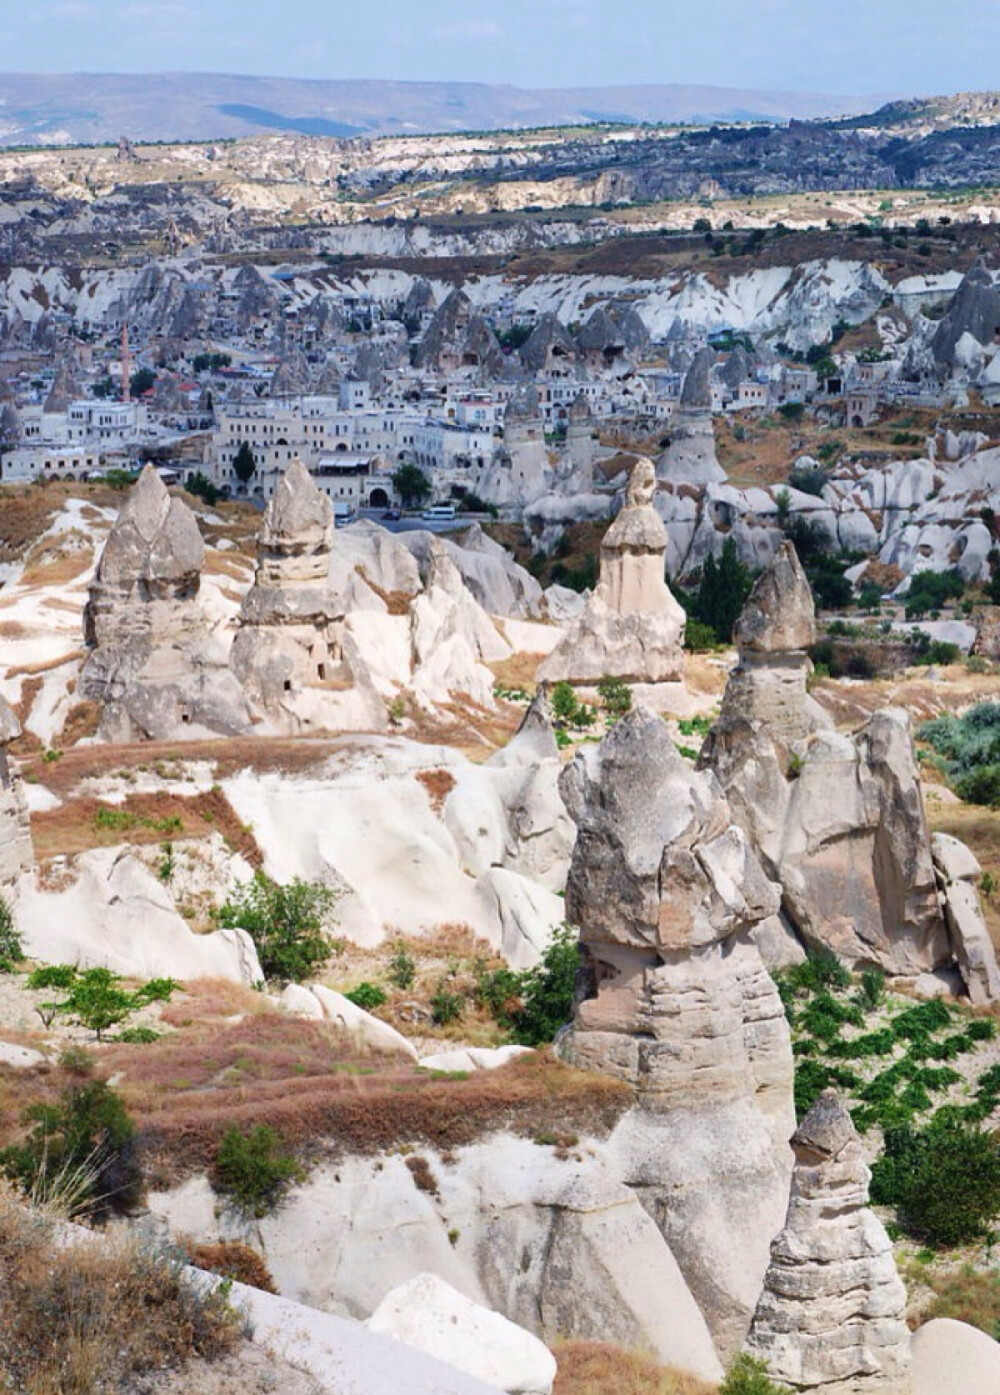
(253, 1169)
(52, 976)
(95, 998)
(616, 695)
(98, 1317)
(81, 1152)
(872, 992)
(698, 636)
(11, 949)
(748, 1376)
(402, 968)
(284, 922)
(367, 996)
(233, 1260)
(446, 1005)
(548, 990)
(930, 590)
(944, 1180)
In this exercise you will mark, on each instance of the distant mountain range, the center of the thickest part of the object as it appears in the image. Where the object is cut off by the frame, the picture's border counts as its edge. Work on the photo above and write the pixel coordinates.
(94, 108)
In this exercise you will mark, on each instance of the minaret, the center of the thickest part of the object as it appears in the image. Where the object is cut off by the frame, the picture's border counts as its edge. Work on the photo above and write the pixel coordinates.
(126, 367)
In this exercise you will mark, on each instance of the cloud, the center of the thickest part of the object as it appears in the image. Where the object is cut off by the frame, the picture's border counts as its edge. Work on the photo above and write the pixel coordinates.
(468, 31)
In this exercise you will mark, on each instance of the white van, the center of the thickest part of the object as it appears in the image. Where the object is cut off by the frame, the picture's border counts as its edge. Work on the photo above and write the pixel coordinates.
(439, 512)
(343, 513)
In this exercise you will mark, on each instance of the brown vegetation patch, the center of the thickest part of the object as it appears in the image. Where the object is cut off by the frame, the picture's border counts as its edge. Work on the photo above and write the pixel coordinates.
(233, 1260)
(57, 567)
(25, 513)
(598, 1368)
(517, 671)
(82, 720)
(87, 822)
(396, 602)
(95, 1315)
(307, 1081)
(438, 784)
(12, 629)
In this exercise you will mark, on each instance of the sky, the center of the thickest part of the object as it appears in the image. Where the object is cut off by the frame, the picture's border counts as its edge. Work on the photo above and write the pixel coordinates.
(884, 47)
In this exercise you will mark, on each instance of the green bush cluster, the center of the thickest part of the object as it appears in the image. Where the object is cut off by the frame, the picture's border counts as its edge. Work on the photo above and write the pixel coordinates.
(286, 923)
(943, 1180)
(254, 1170)
(535, 1003)
(96, 998)
(11, 949)
(367, 996)
(970, 747)
(79, 1153)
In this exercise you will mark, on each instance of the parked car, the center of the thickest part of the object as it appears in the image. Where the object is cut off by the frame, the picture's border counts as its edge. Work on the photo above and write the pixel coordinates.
(392, 515)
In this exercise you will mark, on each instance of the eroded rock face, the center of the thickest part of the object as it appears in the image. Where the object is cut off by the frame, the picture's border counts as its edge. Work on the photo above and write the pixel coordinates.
(289, 653)
(690, 457)
(154, 664)
(16, 854)
(667, 890)
(838, 820)
(632, 627)
(832, 1314)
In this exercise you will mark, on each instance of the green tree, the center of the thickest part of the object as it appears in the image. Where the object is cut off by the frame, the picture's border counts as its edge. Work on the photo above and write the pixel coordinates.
(244, 463)
(616, 696)
(80, 1152)
(412, 485)
(286, 923)
(724, 587)
(548, 990)
(141, 381)
(944, 1180)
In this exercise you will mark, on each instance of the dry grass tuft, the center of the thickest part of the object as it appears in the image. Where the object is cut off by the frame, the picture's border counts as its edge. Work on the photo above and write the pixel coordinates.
(233, 1260)
(92, 1316)
(966, 1294)
(598, 1368)
(308, 1082)
(82, 720)
(143, 818)
(438, 784)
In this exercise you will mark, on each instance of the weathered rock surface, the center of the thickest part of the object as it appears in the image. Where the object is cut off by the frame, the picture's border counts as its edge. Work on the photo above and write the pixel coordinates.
(690, 457)
(429, 1314)
(837, 820)
(556, 1244)
(958, 873)
(289, 652)
(632, 627)
(667, 890)
(832, 1314)
(117, 915)
(16, 853)
(155, 665)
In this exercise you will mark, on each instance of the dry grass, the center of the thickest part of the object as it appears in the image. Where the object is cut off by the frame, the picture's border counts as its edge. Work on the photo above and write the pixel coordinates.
(233, 1260)
(82, 720)
(598, 1368)
(438, 784)
(518, 671)
(306, 1080)
(76, 825)
(94, 1316)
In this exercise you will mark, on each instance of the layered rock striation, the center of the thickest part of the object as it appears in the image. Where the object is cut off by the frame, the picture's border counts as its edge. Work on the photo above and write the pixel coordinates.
(667, 891)
(831, 1318)
(632, 627)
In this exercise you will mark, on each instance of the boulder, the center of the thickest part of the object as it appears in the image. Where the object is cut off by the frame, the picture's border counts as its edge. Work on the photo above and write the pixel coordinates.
(429, 1314)
(832, 1314)
(632, 627)
(951, 1357)
(368, 1032)
(958, 873)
